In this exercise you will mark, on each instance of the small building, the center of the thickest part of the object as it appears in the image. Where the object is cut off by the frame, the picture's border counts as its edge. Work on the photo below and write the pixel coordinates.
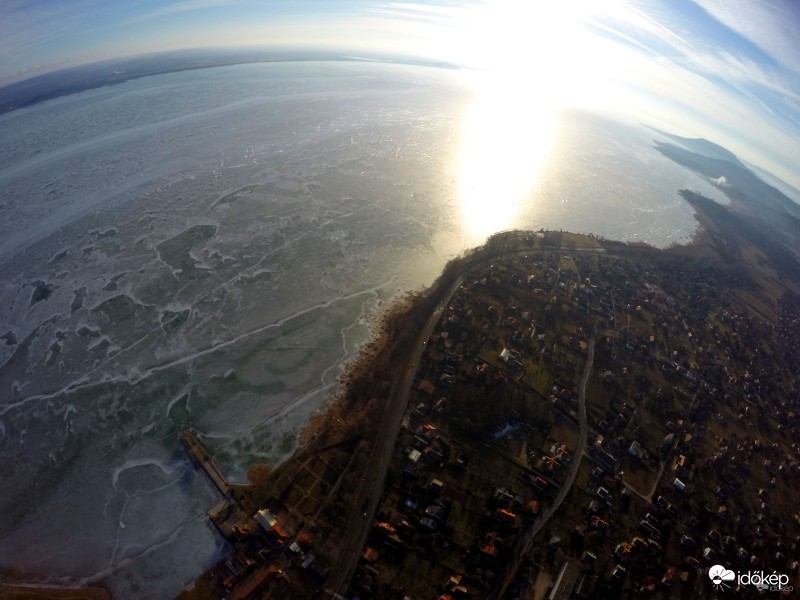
(266, 519)
(435, 512)
(635, 449)
(533, 507)
(505, 516)
(370, 555)
(427, 387)
(429, 523)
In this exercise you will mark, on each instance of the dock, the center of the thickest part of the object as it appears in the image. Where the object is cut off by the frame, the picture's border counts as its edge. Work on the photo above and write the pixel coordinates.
(201, 457)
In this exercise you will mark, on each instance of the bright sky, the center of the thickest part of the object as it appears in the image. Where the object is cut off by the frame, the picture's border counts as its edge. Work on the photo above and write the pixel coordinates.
(728, 70)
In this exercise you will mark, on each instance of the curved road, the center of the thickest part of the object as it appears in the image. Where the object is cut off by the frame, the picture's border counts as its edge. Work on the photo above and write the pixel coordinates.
(524, 542)
(371, 486)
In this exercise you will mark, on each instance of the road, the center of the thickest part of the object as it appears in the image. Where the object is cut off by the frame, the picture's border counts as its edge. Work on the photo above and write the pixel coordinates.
(524, 542)
(649, 496)
(370, 488)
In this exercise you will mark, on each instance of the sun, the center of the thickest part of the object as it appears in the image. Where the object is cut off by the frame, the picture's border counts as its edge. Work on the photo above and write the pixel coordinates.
(522, 64)
(527, 61)
(506, 136)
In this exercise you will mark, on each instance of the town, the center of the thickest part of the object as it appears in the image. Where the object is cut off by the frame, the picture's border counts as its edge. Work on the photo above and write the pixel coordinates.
(574, 418)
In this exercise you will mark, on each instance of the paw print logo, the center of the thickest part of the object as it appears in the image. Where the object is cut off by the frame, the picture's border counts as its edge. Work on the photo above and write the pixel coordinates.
(719, 576)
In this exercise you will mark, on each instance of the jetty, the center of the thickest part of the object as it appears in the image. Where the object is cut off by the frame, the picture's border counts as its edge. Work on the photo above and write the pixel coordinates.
(201, 457)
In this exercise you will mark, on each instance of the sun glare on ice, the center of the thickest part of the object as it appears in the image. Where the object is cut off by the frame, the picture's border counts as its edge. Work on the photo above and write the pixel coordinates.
(530, 60)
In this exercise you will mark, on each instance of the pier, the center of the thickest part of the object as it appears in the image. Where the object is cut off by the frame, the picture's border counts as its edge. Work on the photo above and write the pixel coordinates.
(200, 456)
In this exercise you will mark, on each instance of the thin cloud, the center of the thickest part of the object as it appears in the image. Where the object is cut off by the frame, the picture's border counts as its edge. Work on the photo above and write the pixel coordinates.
(769, 25)
(691, 67)
(686, 59)
(180, 7)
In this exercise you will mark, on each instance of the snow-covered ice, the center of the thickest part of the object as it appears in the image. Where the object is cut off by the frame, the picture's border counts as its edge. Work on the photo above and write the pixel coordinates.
(200, 249)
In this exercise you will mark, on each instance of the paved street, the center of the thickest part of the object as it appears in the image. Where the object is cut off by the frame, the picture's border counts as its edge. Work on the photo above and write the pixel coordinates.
(371, 486)
(524, 542)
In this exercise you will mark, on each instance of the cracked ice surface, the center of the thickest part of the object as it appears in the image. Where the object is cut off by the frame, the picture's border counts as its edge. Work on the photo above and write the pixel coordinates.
(201, 249)
(180, 227)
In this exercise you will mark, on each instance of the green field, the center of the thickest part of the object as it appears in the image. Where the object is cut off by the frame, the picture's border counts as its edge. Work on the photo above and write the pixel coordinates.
(536, 377)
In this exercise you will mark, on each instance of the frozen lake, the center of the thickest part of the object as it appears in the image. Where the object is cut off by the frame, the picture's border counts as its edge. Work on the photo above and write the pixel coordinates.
(207, 249)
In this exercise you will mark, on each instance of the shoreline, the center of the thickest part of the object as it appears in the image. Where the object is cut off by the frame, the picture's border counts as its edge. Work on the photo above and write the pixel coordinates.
(353, 368)
(700, 245)
(346, 410)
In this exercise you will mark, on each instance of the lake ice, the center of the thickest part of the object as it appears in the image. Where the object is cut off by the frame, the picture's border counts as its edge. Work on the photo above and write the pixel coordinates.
(249, 221)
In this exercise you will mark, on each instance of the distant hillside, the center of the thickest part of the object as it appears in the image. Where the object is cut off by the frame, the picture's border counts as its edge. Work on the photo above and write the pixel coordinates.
(759, 215)
(752, 231)
(741, 185)
(703, 147)
(111, 72)
(788, 189)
